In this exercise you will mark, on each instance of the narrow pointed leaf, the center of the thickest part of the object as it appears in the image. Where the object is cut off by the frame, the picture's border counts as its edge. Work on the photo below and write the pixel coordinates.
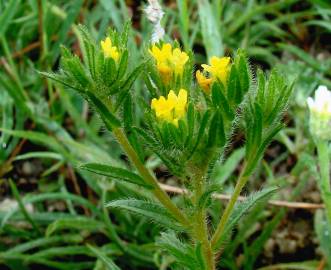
(150, 210)
(116, 173)
(108, 118)
(109, 264)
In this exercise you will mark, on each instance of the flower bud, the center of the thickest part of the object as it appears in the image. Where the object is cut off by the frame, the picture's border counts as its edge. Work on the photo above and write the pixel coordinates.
(320, 113)
(109, 50)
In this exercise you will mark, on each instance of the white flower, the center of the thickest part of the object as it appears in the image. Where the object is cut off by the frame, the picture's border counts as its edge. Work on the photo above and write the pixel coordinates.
(322, 102)
(154, 14)
(320, 113)
(154, 11)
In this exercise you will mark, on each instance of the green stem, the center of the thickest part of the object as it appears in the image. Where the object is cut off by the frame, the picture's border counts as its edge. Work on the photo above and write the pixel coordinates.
(200, 222)
(242, 180)
(158, 192)
(201, 233)
(324, 164)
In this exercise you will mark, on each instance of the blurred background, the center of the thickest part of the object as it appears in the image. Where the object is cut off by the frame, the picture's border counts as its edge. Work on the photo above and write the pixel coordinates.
(50, 210)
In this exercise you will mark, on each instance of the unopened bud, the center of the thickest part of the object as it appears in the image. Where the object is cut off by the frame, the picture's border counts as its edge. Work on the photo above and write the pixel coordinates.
(320, 113)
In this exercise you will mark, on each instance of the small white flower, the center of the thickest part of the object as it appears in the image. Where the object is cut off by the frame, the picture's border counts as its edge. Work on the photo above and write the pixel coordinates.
(154, 14)
(322, 102)
(320, 113)
(154, 11)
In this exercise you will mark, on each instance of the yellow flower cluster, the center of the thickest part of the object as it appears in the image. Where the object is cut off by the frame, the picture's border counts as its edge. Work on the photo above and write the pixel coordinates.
(218, 69)
(171, 109)
(109, 50)
(169, 61)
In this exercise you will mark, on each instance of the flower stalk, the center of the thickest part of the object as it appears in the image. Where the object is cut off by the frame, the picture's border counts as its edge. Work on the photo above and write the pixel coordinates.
(241, 182)
(324, 165)
(201, 224)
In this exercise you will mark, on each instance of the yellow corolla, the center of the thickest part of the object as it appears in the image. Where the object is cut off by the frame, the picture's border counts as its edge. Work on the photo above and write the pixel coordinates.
(171, 109)
(218, 69)
(178, 60)
(203, 81)
(163, 54)
(109, 50)
(169, 61)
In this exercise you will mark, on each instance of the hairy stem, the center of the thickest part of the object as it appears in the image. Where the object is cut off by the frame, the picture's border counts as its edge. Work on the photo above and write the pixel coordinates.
(147, 176)
(242, 180)
(324, 164)
(200, 223)
(201, 233)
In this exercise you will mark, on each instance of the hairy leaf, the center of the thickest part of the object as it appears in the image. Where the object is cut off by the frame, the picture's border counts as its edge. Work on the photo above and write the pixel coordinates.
(116, 173)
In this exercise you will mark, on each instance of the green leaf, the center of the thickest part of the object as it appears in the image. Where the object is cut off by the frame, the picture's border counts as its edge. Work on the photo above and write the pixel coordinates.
(220, 101)
(266, 141)
(52, 196)
(233, 89)
(62, 79)
(257, 125)
(126, 86)
(123, 65)
(158, 149)
(76, 223)
(150, 210)
(201, 132)
(109, 264)
(88, 49)
(205, 199)
(182, 252)
(116, 173)
(108, 118)
(241, 208)
(190, 121)
(243, 72)
(211, 35)
(108, 73)
(22, 207)
(38, 137)
(261, 88)
(149, 86)
(216, 131)
(128, 113)
(74, 67)
(125, 33)
(7, 15)
(45, 241)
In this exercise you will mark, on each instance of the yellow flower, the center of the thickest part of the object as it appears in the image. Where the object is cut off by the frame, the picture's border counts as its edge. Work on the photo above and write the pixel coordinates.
(178, 60)
(169, 61)
(203, 81)
(163, 54)
(171, 109)
(109, 50)
(219, 68)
